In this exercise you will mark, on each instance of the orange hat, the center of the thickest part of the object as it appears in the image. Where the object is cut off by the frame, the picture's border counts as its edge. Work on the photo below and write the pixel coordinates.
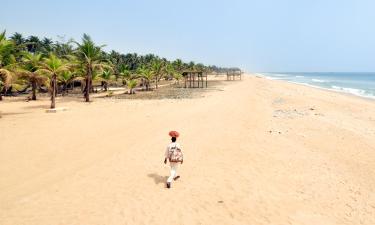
(174, 134)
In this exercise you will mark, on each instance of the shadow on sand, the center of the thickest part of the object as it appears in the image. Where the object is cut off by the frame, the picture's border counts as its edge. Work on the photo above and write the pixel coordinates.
(157, 178)
(2, 114)
(45, 106)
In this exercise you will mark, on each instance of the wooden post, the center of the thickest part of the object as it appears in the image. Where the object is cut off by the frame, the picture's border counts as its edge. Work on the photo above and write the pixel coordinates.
(189, 80)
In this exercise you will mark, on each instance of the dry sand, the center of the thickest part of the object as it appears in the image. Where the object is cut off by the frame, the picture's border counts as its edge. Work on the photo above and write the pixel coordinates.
(259, 152)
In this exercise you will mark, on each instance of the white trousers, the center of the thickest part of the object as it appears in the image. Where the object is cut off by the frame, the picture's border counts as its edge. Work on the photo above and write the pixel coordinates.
(174, 167)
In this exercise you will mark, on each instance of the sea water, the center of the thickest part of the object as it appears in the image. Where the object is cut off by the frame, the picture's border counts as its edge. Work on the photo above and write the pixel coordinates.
(360, 84)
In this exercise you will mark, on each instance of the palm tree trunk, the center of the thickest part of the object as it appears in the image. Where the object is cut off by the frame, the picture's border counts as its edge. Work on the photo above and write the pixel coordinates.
(88, 84)
(53, 104)
(156, 82)
(105, 86)
(33, 87)
(1, 93)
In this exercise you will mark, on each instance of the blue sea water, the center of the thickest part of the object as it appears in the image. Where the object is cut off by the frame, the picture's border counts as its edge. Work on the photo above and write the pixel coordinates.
(360, 84)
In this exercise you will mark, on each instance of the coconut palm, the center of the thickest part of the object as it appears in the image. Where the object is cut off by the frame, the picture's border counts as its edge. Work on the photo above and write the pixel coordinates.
(7, 62)
(52, 66)
(5, 80)
(147, 75)
(28, 71)
(169, 71)
(18, 38)
(125, 73)
(65, 78)
(63, 49)
(33, 43)
(7, 48)
(131, 85)
(92, 59)
(177, 76)
(105, 77)
(157, 68)
(178, 65)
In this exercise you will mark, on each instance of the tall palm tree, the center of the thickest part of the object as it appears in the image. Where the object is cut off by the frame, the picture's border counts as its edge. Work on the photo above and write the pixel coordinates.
(7, 62)
(52, 66)
(28, 71)
(157, 68)
(92, 59)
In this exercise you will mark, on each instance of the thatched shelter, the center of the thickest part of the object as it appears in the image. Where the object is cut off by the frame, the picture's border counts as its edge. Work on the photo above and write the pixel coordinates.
(195, 79)
(232, 75)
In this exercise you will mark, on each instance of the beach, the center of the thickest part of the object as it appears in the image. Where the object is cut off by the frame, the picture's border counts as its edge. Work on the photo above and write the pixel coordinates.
(257, 151)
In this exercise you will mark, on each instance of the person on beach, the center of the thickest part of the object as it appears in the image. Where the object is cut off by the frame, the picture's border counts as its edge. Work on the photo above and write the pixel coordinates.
(174, 155)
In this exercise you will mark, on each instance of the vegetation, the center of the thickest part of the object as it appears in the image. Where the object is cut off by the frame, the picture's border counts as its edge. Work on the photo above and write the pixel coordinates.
(52, 66)
(35, 64)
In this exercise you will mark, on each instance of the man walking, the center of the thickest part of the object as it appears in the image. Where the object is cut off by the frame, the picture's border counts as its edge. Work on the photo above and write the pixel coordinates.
(174, 154)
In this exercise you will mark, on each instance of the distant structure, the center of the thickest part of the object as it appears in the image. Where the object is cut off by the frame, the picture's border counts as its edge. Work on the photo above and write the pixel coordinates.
(232, 75)
(195, 79)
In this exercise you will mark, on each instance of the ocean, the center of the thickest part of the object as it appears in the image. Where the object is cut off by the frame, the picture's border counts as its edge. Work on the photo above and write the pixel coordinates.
(359, 84)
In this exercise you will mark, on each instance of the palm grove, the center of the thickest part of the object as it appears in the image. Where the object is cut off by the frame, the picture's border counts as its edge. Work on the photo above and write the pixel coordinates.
(40, 65)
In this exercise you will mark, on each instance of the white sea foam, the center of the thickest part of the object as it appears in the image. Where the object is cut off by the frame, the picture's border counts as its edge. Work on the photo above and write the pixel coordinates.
(354, 91)
(319, 81)
(280, 75)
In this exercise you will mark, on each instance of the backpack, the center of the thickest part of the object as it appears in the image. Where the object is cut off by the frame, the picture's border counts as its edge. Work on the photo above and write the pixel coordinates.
(175, 154)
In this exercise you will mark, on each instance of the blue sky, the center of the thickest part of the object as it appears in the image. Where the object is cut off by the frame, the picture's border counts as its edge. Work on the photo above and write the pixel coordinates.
(256, 35)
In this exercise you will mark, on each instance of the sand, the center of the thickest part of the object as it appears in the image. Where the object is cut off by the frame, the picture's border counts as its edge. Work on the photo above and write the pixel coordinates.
(257, 152)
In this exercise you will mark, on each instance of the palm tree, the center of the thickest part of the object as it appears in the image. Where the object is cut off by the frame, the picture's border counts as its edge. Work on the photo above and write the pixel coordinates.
(169, 71)
(33, 44)
(28, 71)
(131, 85)
(52, 66)
(5, 80)
(46, 46)
(147, 75)
(191, 65)
(18, 39)
(65, 78)
(157, 67)
(62, 49)
(178, 65)
(125, 74)
(105, 77)
(7, 48)
(7, 62)
(91, 58)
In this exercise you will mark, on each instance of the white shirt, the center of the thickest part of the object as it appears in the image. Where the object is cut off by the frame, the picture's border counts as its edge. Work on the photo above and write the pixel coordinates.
(173, 144)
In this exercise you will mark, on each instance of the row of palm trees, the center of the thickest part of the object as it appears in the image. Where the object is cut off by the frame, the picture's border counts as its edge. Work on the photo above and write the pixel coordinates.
(54, 66)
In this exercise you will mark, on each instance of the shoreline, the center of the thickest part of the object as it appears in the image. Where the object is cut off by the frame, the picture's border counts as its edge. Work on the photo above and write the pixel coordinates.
(371, 98)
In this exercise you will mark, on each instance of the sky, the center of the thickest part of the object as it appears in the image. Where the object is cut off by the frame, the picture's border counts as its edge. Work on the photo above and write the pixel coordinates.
(255, 35)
